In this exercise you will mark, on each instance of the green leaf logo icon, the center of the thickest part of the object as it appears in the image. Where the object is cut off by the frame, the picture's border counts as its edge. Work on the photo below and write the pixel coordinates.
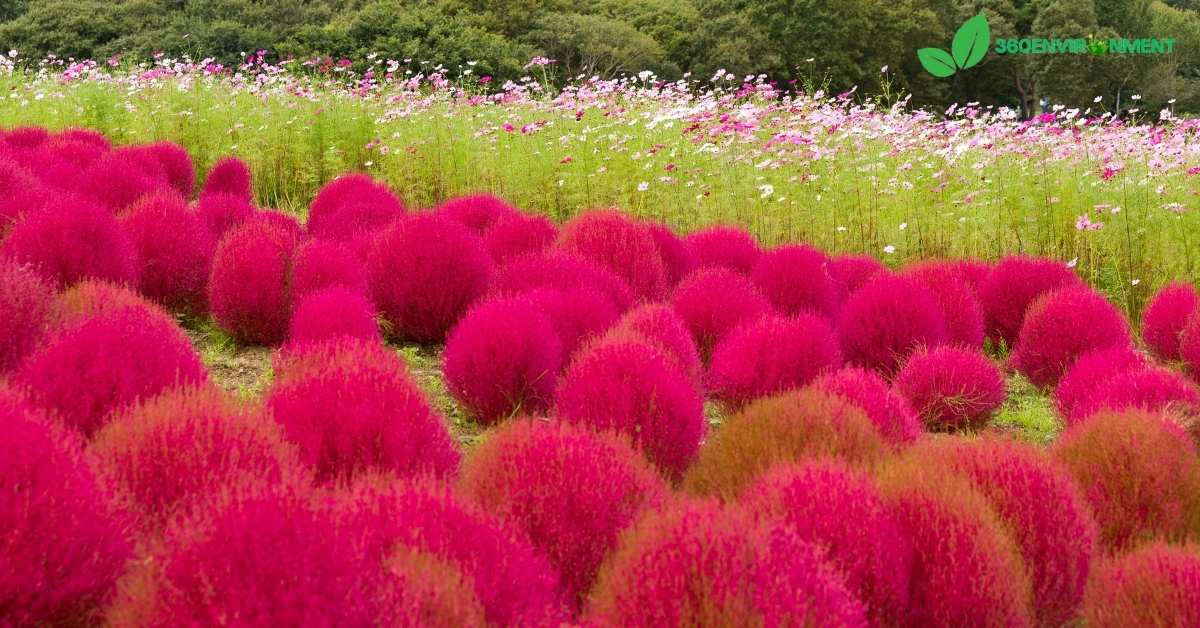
(970, 44)
(937, 62)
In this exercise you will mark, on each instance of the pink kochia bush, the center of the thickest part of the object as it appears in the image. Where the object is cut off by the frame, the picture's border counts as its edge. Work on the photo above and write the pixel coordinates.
(795, 279)
(829, 504)
(852, 272)
(891, 413)
(1157, 585)
(99, 363)
(321, 264)
(678, 256)
(886, 320)
(477, 212)
(176, 164)
(1189, 345)
(503, 357)
(174, 251)
(951, 388)
(561, 271)
(64, 541)
(726, 246)
(1090, 372)
(713, 301)
(1154, 389)
(72, 239)
(230, 176)
(122, 177)
(351, 207)
(662, 325)
(1014, 284)
(620, 243)
(27, 310)
(571, 490)
(248, 286)
(222, 212)
(510, 237)
(631, 386)
(694, 565)
(771, 355)
(1063, 325)
(424, 273)
(960, 305)
(577, 315)
(351, 406)
(1165, 316)
(332, 313)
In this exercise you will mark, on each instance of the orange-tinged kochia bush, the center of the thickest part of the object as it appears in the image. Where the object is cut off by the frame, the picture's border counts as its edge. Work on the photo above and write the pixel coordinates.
(1157, 585)
(888, 410)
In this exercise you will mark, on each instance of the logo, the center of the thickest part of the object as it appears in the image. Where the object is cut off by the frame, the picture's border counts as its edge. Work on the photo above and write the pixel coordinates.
(970, 44)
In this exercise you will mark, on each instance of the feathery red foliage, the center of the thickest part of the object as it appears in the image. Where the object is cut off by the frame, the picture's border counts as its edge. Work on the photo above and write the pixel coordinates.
(1153, 388)
(477, 212)
(852, 272)
(72, 239)
(561, 271)
(1063, 325)
(174, 251)
(678, 257)
(1012, 286)
(886, 320)
(248, 286)
(27, 310)
(662, 325)
(1157, 585)
(960, 305)
(621, 244)
(510, 237)
(771, 355)
(891, 413)
(229, 176)
(1090, 372)
(795, 279)
(222, 212)
(577, 315)
(1165, 316)
(332, 313)
(951, 388)
(351, 206)
(725, 246)
(713, 301)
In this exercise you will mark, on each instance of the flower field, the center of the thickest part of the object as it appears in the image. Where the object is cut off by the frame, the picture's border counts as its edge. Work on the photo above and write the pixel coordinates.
(325, 349)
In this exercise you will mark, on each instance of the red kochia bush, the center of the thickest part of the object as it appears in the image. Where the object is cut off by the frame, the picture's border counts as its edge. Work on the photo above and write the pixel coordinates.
(503, 357)
(960, 305)
(64, 542)
(620, 243)
(477, 212)
(577, 315)
(421, 589)
(72, 239)
(570, 489)
(91, 298)
(1154, 389)
(663, 326)
(1015, 283)
(771, 355)
(886, 320)
(852, 272)
(1165, 316)
(1138, 471)
(1063, 325)
(25, 136)
(1044, 512)
(100, 363)
(87, 136)
(424, 273)
(182, 446)
(725, 246)
(957, 539)
(713, 301)
(120, 178)
(248, 287)
(27, 310)
(222, 212)
(679, 258)
(229, 176)
(332, 313)
(351, 206)
(174, 251)
(829, 504)
(1189, 345)
(1157, 585)
(1090, 372)
(512, 236)
(891, 413)
(321, 264)
(951, 388)
(631, 386)
(176, 164)
(351, 406)
(562, 271)
(795, 279)
(694, 565)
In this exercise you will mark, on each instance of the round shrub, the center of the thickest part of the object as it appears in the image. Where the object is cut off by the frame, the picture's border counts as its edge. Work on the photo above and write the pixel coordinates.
(78, 153)
(351, 206)
(1189, 346)
(230, 176)
(27, 310)
(828, 504)
(222, 212)
(1154, 389)
(891, 413)
(14, 207)
(502, 358)
(852, 272)
(25, 136)
(790, 427)
(960, 306)
(795, 279)
(771, 355)
(1157, 585)
(174, 251)
(513, 236)
(282, 220)
(1040, 505)
(89, 368)
(70, 239)
(661, 324)
(321, 264)
(332, 313)
(122, 177)
(64, 541)
(1090, 372)
(248, 286)
(561, 271)
(630, 386)
(621, 244)
(424, 273)
(176, 164)
(571, 490)
(886, 320)
(1139, 473)
(90, 298)
(726, 246)
(1165, 316)
(1012, 286)
(85, 135)
(957, 538)
(678, 257)
(477, 212)
(421, 589)
(693, 564)
(576, 315)
(169, 452)
(972, 271)
(351, 406)
(713, 301)
(1063, 325)
(951, 388)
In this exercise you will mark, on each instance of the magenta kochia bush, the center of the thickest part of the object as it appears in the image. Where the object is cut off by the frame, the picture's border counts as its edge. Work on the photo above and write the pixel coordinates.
(577, 315)
(562, 271)
(795, 279)
(27, 310)
(771, 355)
(1014, 284)
(222, 212)
(694, 565)
(726, 246)
(72, 239)
(1157, 585)
(1165, 316)
(620, 243)
(951, 388)
(631, 386)
(1154, 389)
(351, 206)
(351, 405)
(321, 264)
(512, 236)
(713, 301)
(424, 273)
(99, 363)
(477, 212)
(1063, 325)
(886, 320)
(503, 357)
(174, 251)
(122, 177)
(852, 272)
(960, 305)
(64, 542)
(891, 413)
(176, 164)
(679, 258)
(230, 176)
(1090, 372)
(248, 287)
(332, 313)
(661, 324)
(829, 504)
(571, 490)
